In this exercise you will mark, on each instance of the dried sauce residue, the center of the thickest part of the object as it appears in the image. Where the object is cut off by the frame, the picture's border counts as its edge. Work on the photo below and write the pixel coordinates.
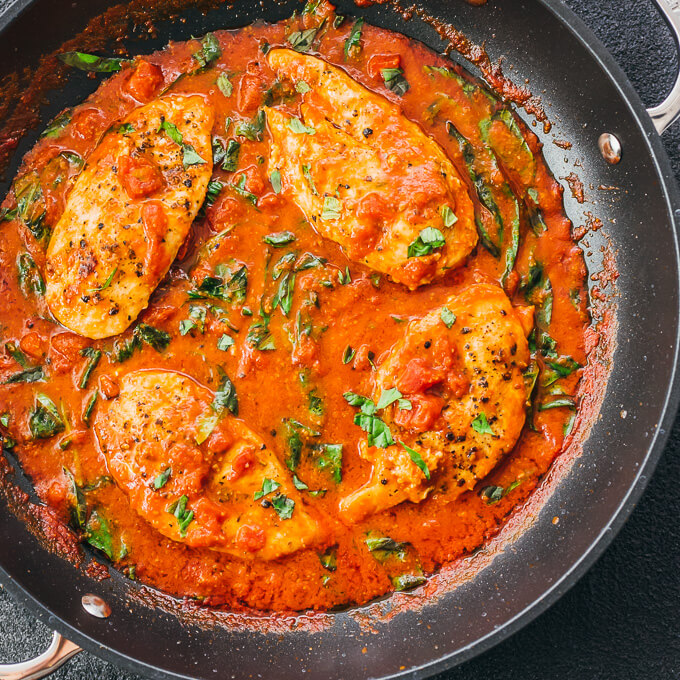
(576, 187)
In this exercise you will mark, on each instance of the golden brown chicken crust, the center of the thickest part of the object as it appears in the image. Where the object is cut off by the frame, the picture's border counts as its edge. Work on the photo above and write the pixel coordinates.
(467, 393)
(367, 177)
(127, 216)
(154, 426)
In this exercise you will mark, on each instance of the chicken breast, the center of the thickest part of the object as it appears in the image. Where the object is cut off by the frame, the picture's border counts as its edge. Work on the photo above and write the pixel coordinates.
(459, 404)
(367, 177)
(196, 473)
(128, 214)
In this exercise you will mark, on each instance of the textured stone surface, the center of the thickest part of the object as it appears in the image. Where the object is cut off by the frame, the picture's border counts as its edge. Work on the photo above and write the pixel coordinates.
(621, 620)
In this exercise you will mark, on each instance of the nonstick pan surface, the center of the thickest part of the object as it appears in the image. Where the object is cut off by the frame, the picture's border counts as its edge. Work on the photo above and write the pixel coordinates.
(588, 95)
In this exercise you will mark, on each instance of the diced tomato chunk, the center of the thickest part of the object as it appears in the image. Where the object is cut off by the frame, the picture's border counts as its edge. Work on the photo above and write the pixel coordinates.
(139, 176)
(240, 464)
(144, 81)
(380, 61)
(249, 93)
(425, 410)
(418, 376)
(155, 222)
(250, 538)
(32, 344)
(108, 387)
(220, 440)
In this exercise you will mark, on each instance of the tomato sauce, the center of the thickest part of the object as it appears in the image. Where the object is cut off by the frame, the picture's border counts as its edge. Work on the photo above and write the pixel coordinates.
(343, 320)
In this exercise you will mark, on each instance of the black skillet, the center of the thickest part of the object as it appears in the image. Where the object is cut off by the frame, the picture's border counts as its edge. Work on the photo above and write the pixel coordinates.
(589, 96)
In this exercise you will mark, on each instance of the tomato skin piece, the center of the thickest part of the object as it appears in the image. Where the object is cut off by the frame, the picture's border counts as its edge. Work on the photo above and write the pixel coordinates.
(250, 538)
(144, 81)
(380, 61)
(140, 176)
(418, 376)
(155, 223)
(249, 93)
(426, 408)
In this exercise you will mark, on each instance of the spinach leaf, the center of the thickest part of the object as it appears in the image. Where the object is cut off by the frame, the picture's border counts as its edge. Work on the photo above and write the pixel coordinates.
(230, 162)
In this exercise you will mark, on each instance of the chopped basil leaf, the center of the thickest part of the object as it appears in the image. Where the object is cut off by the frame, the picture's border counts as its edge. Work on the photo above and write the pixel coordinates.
(154, 337)
(280, 238)
(301, 41)
(407, 581)
(283, 505)
(329, 457)
(268, 486)
(429, 239)
(225, 396)
(213, 191)
(404, 405)
(225, 342)
(230, 162)
(315, 405)
(91, 62)
(395, 80)
(348, 354)
(417, 459)
(309, 261)
(299, 128)
(307, 172)
(224, 84)
(492, 494)
(240, 189)
(284, 295)
(344, 277)
(45, 421)
(98, 533)
(447, 316)
(331, 208)
(384, 547)
(77, 503)
(252, 129)
(107, 283)
(565, 401)
(329, 559)
(93, 355)
(54, 129)
(352, 44)
(302, 87)
(89, 407)
(162, 479)
(190, 157)
(16, 354)
(448, 216)
(388, 397)
(481, 424)
(28, 375)
(378, 432)
(184, 517)
(210, 50)
(299, 484)
(275, 179)
(125, 128)
(30, 279)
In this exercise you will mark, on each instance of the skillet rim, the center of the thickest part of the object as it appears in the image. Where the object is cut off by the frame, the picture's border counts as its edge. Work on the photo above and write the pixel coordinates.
(610, 69)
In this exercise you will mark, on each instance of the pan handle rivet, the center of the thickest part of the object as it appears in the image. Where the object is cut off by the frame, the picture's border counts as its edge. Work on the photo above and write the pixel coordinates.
(94, 605)
(610, 147)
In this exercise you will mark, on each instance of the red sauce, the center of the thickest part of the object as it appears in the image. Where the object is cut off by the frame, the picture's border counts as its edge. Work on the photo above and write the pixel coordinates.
(365, 312)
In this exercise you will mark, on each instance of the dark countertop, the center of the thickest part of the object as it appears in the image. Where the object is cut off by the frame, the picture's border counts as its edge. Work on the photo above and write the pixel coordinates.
(621, 619)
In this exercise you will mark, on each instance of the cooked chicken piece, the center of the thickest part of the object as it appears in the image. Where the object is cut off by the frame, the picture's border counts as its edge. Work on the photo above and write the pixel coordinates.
(128, 214)
(465, 401)
(199, 475)
(367, 177)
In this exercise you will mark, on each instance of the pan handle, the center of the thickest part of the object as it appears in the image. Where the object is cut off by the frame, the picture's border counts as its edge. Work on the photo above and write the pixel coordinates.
(666, 113)
(58, 653)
